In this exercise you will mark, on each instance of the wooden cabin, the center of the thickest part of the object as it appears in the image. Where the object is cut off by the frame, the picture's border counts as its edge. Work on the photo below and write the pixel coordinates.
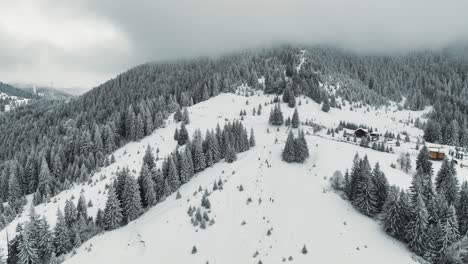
(361, 132)
(436, 153)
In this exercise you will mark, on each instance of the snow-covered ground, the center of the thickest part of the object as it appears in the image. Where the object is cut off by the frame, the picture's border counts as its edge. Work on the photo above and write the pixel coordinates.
(15, 101)
(293, 201)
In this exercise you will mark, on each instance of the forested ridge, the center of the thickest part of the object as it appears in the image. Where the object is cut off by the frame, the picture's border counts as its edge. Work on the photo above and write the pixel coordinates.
(72, 139)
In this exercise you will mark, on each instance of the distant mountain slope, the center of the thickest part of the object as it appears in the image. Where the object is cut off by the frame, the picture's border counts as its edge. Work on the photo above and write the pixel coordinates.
(13, 91)
(46, 92)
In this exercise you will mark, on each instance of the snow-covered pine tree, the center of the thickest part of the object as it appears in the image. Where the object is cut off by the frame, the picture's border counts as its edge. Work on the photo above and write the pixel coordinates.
(231, 155)
(82, 207)
(446, 182)
(185, 117)
(289, 151)
(365, 196)
(450, 231)
(462, 209)
(416, 231)
(178, 115)
(131, 203)
(252, 138)
(276, 116)
(148, 158)
(172, 175)
(326, 104)
(183, 135)
(392, 216)
(295, 119)
(423, 163)
(302, 150)
(197, 152)
(146, 187)
(28, 251)
(15, 194)
(61, 235)
(381, 184)
(112, 212)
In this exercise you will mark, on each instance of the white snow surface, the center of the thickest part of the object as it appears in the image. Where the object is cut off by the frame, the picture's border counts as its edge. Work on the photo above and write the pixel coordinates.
(297, 203)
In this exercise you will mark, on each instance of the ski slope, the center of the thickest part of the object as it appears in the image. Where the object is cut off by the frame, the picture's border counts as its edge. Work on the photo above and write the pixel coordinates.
(293, 201)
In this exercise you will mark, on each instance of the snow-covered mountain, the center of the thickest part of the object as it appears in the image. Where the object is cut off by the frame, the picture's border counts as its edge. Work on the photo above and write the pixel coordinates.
(280, 208)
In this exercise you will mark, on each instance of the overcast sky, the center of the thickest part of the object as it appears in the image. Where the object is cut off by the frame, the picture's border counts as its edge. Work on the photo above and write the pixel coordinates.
(82, 43)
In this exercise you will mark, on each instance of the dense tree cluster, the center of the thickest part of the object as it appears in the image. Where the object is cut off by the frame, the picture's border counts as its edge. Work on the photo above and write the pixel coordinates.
(431, 220)
(295, 149)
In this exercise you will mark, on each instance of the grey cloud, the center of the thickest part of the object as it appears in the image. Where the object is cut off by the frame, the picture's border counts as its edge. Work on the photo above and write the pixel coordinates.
(158, 30)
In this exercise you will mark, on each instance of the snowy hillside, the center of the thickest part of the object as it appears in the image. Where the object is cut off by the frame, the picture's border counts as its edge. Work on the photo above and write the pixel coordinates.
(12, 101)
(281, 208)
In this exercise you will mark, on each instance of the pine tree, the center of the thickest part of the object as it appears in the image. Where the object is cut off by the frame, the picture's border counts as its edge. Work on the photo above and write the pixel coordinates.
(70, 213)
(295, 119)
(276, 116)
(289, 151)
(392, 216)
(172, 176)
(423, 163)
(252, 138)
(231, 155)
(416, 231)
(447, 183)
(15, 196)
(326, 104)
(131, 202)
(450, 231)
(82, 207)
(185, 117)
(146, 186)
(178, 115)
(183, 135)
(148, 158)
(302, 150)
(61, 237)
(462, 209)
(366, 199)
(197, 152)
(381, 184)
(113, 212)
(27, 249)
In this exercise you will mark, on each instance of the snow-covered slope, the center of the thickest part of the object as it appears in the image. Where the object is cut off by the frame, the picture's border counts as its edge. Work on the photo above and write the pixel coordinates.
(14, 101)
(293, 201)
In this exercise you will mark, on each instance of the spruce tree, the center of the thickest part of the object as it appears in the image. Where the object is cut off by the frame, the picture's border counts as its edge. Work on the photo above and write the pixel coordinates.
(146, 187)
(148, 159)
(112, 212)
(450, 230)
(61, 235)
(302, 150)
(231, 155)
(183, 135)
(462, 209)
(446, 182)
(423, 163)
(392, 216)
(172, 176)
(131, 203)
(197, 152)
(82, 207)
(185, 117)
(381, 184)
(289, 151)
(252, 138)
(28, 252)
(295, 119)
(416, 231)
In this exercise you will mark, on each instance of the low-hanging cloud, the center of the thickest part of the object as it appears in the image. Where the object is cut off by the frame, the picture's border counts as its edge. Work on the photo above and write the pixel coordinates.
(152, 30)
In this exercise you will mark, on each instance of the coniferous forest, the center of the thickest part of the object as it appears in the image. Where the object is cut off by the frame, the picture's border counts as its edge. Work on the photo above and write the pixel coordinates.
(48, 146)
